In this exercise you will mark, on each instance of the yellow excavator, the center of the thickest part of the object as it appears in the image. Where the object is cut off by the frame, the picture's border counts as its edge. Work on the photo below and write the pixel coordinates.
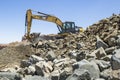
(63, 27)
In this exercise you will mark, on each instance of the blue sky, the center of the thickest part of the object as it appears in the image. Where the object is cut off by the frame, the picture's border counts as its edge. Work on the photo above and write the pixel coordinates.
(82, 12)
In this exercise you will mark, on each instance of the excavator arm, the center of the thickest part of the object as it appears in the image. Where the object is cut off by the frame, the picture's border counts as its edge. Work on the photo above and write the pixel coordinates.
(41, 16)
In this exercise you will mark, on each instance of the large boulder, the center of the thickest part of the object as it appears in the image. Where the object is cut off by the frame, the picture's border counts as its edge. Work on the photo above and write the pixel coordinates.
(9, 76)
(90, 66)
(80, 74)
(115, 60)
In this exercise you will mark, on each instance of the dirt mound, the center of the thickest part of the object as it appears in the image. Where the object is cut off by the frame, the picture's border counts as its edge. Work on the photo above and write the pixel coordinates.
(12, 55)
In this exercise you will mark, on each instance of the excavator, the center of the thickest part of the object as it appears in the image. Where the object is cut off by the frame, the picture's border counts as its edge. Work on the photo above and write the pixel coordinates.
(63, 27)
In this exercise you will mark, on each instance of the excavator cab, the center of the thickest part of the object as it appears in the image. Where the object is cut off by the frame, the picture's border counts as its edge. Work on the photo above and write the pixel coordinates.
(69, 27)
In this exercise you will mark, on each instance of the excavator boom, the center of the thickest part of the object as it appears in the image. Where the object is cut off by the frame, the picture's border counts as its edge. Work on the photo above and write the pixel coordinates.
(41, 16)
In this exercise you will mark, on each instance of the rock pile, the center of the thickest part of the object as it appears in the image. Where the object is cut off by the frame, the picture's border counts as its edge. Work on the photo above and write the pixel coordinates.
(92, 55)
(107, 29)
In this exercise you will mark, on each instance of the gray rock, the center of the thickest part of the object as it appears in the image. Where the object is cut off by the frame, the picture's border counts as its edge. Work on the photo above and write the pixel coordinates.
(89, 56)
(62, 63)
(72, 54)
(35, 37)
(51, 44)
(107, 58)
(33, 59)
(65, 73)
(99, 53)
(25, 63)
(110, 50)
(50, 55)
(29, 70)
(116, 51)
(111, 41)
(39, 44)
(80, 56)
(39, 68)
(80, 74)
(90, 66)
(43, 68)
(80, 45)
(106, 74)
(115, 60)
(118, 40)
(55, 75)
(100, 43)
(4, 78)
(102, 64)
(10, 76)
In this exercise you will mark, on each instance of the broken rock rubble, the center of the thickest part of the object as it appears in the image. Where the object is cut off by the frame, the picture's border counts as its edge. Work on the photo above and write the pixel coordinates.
(92, 55)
